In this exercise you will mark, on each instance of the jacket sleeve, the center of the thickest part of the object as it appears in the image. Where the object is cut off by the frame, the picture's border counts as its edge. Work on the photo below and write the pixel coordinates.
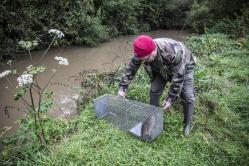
(129, 73)
(178, 72)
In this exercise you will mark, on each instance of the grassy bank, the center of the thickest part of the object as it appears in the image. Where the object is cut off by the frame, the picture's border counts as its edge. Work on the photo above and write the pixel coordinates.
(220, 134)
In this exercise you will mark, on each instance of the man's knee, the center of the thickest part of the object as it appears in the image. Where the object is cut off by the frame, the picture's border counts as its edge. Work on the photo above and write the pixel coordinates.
(156, 91)
(188, 96)
(157, 86)
(189, 99)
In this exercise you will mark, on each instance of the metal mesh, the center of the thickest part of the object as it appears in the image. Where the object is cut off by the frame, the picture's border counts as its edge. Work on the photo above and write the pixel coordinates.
(139, 119)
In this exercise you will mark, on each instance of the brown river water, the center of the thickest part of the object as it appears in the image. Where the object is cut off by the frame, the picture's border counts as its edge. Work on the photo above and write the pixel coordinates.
(103, 58)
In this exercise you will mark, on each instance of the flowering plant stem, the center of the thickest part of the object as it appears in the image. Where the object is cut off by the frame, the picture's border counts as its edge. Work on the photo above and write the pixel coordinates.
(36, 115)
(39, 100)
(48, 47)
(30, 56)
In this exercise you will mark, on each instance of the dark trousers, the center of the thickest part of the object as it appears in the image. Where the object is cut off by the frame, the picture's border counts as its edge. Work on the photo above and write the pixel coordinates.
(159, 83)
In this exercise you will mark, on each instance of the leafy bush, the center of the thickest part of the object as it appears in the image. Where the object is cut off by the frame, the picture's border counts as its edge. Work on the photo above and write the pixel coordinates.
(75, 18)
(198, 17)
(89, 22)
(172, 14)
(86, 30)
(210, 44)
(83, 22)
(238, 27)
(120, 16)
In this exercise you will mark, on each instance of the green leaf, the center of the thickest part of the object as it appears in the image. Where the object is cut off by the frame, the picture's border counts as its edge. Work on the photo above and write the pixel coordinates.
(20, 93)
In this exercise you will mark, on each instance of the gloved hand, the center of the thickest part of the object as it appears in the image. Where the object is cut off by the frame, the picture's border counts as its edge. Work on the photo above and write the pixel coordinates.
(166, 104)
(121, 93)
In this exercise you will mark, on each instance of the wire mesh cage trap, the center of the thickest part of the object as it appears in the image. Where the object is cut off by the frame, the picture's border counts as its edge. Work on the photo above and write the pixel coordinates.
(139, 119)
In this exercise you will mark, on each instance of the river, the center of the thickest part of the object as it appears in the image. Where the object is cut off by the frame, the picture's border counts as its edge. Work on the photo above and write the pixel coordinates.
(104, 57)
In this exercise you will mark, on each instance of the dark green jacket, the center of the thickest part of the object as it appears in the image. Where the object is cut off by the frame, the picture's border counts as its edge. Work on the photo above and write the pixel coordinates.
(172, 62)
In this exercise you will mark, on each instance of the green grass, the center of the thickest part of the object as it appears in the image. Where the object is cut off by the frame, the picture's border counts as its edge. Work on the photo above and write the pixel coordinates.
(220, 134)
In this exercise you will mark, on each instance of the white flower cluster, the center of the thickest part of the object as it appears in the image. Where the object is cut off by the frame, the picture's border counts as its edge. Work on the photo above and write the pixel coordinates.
(56, 32)
(61, 60)
(5, 73)
(25, 79)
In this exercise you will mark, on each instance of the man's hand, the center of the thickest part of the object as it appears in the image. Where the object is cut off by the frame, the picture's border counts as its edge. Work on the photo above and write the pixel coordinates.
(166, 104)
(121, 93)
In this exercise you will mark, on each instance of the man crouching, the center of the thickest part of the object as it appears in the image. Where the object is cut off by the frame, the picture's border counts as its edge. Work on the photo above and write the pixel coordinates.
(165, 60)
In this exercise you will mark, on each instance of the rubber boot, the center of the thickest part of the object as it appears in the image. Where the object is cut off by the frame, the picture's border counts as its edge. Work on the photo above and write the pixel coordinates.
(188, 109)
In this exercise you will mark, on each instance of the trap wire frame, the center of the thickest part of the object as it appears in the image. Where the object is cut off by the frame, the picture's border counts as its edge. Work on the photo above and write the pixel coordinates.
(139, 119)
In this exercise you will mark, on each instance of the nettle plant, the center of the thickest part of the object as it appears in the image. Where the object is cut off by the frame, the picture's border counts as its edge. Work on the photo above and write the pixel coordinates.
(29, 90)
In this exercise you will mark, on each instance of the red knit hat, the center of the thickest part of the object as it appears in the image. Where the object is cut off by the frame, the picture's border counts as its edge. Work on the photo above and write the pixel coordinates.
(143, 46)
